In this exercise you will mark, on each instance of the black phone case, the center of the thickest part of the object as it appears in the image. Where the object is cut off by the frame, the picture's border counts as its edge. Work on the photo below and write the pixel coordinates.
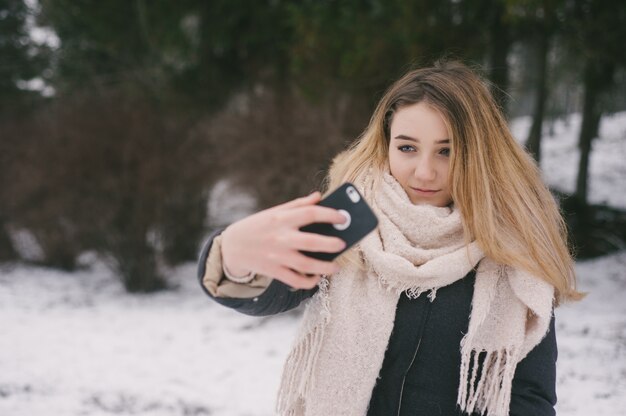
(362, 220)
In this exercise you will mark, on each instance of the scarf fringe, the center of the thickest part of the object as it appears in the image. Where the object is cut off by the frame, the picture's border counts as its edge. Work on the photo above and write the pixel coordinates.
(412, 291)
(486, 381)
(298, 374)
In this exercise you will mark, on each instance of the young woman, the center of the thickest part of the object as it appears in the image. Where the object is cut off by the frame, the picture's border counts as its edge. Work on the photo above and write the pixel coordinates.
(446, 308)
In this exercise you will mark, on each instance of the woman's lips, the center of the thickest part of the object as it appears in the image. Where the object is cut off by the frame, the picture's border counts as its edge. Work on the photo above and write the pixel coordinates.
(425, 192)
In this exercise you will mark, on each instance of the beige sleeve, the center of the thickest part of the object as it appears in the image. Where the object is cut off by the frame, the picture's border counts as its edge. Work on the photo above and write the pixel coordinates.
(218, 285)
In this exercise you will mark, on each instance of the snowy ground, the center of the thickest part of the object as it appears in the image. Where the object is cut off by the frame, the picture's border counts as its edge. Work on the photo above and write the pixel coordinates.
(77, 344)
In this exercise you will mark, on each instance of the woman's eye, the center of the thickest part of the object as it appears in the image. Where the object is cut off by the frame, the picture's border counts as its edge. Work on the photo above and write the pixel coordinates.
(405, 148)
(445, 152)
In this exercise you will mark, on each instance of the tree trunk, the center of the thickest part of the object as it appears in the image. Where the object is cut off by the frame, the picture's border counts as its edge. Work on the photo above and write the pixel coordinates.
(7, 251)
(501, 44)
(127, 242)
(183, 225)
(138, 267)
(533, 144)
(597, 78)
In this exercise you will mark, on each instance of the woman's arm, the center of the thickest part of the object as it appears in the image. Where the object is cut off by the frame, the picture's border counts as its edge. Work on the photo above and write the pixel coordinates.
(261, 297)
(534, 384)
(270, 243)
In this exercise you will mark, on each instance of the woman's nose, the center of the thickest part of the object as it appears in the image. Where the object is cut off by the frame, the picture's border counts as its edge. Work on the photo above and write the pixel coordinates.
(425, 170)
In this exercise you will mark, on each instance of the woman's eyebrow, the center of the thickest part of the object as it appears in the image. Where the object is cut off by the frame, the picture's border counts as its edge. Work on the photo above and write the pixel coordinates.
(413, 139)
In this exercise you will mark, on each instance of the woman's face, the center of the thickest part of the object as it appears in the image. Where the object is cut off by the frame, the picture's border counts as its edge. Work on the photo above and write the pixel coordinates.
(419, 154)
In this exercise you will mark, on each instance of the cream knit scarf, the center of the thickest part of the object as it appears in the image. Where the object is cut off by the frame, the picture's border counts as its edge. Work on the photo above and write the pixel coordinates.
(337, 356)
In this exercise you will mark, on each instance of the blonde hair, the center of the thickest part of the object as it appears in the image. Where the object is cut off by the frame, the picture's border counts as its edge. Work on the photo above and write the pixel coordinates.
(494, 182)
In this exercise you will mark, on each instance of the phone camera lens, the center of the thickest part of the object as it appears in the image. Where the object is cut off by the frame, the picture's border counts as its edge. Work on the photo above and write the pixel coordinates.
(353, 194)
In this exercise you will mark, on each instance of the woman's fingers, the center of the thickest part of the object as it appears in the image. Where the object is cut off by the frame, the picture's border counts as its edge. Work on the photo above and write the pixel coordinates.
(310, 214)
(310, 199)
(315, 242)
(308, 265)
(295, 279)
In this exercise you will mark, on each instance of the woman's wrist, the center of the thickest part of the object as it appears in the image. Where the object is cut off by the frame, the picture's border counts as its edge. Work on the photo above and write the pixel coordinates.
(233, 272)
(238, 278)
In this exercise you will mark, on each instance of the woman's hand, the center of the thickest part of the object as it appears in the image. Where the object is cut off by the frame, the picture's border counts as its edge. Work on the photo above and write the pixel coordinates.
(269, 241)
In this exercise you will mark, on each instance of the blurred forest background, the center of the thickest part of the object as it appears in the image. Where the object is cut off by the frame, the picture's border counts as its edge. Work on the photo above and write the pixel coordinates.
(118, 117)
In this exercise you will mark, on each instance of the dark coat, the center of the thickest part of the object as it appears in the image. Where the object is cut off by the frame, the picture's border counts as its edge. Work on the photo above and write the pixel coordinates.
(420, 371)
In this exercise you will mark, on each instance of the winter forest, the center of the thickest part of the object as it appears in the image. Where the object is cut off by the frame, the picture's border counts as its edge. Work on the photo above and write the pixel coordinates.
(132, 129)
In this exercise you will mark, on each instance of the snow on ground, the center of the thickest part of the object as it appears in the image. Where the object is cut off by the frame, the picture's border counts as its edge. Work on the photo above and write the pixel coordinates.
(591, 336)
(76, 344)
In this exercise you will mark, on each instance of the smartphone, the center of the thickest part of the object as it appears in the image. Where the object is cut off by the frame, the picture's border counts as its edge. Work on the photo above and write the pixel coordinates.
(360, 220)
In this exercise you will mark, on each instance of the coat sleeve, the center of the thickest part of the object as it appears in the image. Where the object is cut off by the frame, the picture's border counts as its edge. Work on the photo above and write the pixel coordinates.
(269, 296)
(534, 383)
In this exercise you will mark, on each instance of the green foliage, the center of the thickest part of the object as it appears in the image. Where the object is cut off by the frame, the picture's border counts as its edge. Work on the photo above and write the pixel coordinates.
(597, 28)
(239, 42)
(360, 46)
(113, 41)
(203, 50)
(207, 50)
